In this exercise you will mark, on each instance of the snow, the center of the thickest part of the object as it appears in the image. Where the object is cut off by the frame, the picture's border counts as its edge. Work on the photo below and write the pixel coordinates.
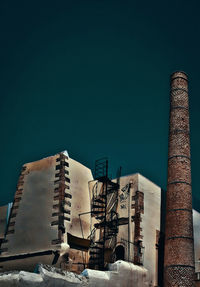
(120, 274)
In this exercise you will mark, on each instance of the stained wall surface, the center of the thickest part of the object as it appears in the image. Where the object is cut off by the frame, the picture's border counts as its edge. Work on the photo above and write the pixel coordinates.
(79, 226)
(3, 220)
(139, 204)
(32, 215)
(49, 189)
(150, 224)
(79, 186)
(125, 209)
(196, 225)
(149, 221)
(38, 192)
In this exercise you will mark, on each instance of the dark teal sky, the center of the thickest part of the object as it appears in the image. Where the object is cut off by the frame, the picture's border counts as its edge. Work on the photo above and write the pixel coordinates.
(92, 77)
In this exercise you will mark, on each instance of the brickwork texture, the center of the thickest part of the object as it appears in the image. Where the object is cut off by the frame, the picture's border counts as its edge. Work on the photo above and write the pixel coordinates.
(179, 245)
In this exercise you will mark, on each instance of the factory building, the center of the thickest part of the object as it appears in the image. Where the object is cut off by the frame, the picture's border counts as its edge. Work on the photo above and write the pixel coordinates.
(54, 220)
(132, 226)
(58, 217)
(64, 216)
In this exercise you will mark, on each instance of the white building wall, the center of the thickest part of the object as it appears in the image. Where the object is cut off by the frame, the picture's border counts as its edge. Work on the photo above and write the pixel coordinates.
(38, 208)
(32, 229)
(79, 186)
(124, 207)
(196, 225)
(150, 223)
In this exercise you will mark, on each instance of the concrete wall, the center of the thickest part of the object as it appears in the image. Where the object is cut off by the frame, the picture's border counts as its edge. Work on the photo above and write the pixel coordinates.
(80, 203)
(32, 215)
(79, 180)
(30, 228)
(124, 205)
(150, 224)
(3, 220)
(150, 220)
(196, 225)
(27, 264)
(34, 224)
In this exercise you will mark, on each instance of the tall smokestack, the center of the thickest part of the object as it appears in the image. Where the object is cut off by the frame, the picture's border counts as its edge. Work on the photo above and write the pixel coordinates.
(179, 245)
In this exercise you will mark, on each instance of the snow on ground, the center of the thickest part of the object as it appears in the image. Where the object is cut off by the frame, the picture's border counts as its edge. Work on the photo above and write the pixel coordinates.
(120, 274)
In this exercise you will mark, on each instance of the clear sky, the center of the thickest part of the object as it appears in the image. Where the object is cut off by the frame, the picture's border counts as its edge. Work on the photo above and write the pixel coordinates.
(92, 77)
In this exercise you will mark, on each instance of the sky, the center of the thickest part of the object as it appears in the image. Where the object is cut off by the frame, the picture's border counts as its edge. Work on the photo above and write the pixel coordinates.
(92, 78)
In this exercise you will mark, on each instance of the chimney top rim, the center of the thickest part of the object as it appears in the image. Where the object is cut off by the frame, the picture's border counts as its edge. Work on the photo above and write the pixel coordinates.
(182, 74)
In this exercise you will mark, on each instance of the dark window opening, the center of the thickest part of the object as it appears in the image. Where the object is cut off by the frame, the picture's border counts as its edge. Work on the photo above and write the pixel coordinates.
(119, 251)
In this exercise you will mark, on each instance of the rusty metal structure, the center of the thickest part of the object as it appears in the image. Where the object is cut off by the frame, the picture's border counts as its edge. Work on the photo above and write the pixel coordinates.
(104, 209)
(179, 246)
(139, 210)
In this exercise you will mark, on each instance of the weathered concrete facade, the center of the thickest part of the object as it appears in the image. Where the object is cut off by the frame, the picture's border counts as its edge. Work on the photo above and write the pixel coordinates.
(3, 220)
(196, 225)
(139, 212)
(144, 222)
(179, 245)
(42, 224)
(61, 216)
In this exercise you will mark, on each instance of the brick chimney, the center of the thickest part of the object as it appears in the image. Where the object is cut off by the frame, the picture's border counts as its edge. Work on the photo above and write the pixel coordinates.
(179, 244)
